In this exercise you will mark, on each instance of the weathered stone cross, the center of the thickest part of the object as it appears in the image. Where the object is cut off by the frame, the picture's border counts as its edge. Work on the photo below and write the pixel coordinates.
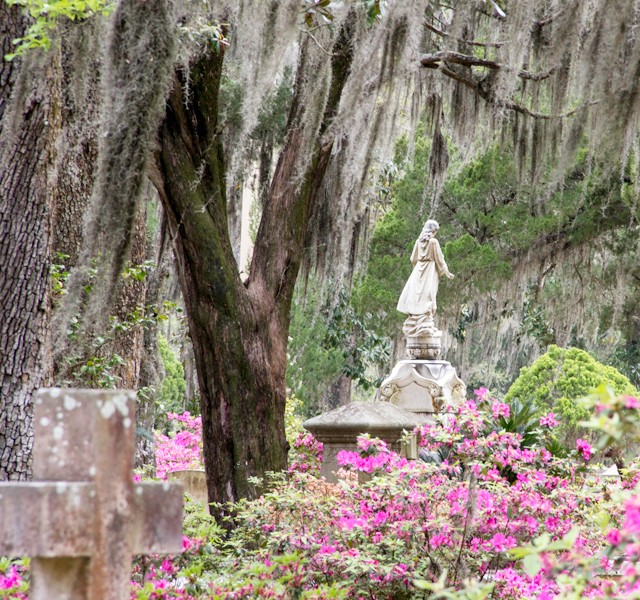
(82, 518)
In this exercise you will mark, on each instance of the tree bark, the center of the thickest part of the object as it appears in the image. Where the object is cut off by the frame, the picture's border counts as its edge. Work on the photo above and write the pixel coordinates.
(239, 331)
(30, 121)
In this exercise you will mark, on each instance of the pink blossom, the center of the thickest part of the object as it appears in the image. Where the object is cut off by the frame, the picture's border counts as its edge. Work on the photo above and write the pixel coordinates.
(584, 448)
(549, 420)
(632, 516)
(481, 394)
(182, 449)
(631, 402)
(167, 566)
(614, 537)
(500, 542)
(186, 543)
(500, 409)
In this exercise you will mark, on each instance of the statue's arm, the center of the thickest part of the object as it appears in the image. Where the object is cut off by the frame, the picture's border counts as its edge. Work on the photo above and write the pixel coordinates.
(441, 264)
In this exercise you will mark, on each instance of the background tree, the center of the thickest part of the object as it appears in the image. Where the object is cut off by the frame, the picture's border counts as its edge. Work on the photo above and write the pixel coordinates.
(481, 70)
(28, 126)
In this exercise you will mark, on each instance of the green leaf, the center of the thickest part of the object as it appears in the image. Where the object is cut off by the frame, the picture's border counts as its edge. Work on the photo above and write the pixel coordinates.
(532, 564)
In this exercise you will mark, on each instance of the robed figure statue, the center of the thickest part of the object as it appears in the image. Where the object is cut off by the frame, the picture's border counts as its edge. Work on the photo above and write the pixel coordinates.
(419, 294)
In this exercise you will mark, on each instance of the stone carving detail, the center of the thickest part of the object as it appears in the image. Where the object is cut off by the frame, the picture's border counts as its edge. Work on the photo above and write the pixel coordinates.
(423, 386)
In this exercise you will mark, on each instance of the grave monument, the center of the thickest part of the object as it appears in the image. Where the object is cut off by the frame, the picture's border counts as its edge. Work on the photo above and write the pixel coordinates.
(82, 517)
(423, 382)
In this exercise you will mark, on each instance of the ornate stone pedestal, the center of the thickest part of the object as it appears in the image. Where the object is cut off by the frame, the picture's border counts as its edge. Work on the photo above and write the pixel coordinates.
(423, 337)
(423, 386)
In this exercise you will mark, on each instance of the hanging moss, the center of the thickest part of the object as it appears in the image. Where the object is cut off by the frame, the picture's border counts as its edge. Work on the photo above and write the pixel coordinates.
(140, 56)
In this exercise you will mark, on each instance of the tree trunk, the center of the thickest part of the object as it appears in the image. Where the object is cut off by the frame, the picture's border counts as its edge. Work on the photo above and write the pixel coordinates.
(238, 398)
(30, 121)
(239, 331)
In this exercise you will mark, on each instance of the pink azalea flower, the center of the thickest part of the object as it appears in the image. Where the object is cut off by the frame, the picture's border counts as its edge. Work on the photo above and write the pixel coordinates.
(167, 566)
(584, 448)
(481, 394)
(631, 402)
(549, 420)
(500, 409)
(632, 516)
(614, 537)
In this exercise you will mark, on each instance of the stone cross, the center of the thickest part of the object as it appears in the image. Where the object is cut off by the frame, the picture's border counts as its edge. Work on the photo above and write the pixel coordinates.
(82, 517)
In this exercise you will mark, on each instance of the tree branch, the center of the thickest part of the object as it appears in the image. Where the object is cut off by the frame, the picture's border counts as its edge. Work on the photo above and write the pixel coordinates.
(476, 86)
(433, 61)
(551, 18)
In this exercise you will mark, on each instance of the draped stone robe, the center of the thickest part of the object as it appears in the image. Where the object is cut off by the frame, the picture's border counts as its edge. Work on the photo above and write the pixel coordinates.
(419, 294)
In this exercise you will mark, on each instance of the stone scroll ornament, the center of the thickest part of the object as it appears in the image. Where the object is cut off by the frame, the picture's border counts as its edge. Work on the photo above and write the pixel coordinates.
(418, 298)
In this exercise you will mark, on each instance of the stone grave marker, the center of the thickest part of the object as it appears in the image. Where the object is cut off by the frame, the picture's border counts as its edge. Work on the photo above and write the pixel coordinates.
(339, 430)
(82, 517)
(194, 482)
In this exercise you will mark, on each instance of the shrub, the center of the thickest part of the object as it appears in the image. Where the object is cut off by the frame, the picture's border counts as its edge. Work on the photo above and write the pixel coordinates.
(558, 379)
(171, 394)
(181, 449)
(456, 528)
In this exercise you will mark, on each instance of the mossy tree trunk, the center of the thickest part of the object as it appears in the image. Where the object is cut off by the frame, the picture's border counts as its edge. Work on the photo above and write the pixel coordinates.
(239, 330)
(29, 122)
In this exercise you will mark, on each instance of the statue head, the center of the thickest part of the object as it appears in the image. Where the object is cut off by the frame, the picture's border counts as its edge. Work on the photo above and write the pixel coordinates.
(430, 228)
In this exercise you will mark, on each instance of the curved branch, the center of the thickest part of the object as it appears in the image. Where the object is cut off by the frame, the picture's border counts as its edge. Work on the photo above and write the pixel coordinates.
(476, 86)
(434, 60)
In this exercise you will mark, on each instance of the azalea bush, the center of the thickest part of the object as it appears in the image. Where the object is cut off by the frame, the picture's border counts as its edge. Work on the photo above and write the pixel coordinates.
(14, 579)
(483, 514)
(480, 515)
(182, 448)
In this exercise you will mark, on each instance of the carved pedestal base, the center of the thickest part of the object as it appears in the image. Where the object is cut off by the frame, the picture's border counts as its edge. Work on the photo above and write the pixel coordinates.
(423, 386)
(423, 337)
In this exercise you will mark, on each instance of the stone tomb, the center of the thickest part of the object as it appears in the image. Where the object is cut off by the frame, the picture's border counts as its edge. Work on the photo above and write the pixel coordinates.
(194, 482)
(339, 429)
(82, 518)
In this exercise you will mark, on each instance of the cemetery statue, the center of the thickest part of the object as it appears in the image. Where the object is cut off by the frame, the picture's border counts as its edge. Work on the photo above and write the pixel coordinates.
(419, 294)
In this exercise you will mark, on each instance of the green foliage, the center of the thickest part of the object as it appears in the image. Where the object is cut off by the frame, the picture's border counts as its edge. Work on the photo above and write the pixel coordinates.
(626, 359)
(59, 275)
(311, 365)
(326, 342)
(47, 14)
(316, 13)
(205, 34)
(272, 119)
(93, 363)
(351, 332)
(198, 523)
(617, 419)
(559, 378)
(293, 419)
(171, 394)
(523, 420)
(534, 322)
(138, 272)
(465, 255)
